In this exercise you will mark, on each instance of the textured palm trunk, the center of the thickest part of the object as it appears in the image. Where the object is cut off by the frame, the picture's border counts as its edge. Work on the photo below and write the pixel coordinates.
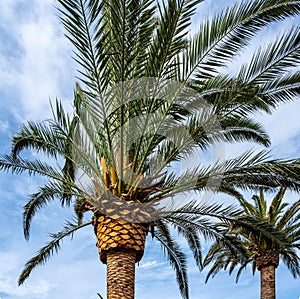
(266, 263)
(120, 274)
(267, 282)
(120, 244)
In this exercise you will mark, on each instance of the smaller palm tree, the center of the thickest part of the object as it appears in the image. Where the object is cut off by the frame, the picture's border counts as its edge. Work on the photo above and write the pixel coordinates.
(245, 242)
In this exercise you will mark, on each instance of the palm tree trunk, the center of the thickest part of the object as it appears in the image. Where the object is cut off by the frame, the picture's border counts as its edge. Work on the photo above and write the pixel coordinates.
(267, 282)
(120, 274)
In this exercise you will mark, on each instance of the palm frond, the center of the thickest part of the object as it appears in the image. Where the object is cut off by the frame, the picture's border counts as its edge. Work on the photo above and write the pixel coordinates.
(40, 199)
(275, 60)
(288, 215)
(52, 138)
(221, 38)
(80, 18)
(19, 165)
(51, 247)
(229, 251)
(292, 261)
(175, 256)
(236, 129)
(38, 136)
(169, 39)
(245, 172)
(282, 89)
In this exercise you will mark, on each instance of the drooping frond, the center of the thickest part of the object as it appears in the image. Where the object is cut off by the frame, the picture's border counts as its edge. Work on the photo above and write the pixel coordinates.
(37, 136)
(226, 253)
(40, 199)
(53, 139)
(51, 247)
(175, 256)
(18, 165)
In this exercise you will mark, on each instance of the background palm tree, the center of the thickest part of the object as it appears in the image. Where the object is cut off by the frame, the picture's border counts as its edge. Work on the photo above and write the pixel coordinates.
(243, 245)
(126, 131)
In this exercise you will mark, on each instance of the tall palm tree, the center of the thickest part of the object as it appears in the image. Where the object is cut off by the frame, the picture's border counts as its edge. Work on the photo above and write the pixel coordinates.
(244, 245)
(148, 97)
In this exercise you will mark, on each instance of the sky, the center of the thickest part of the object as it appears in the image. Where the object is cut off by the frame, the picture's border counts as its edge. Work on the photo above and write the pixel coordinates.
(36, 67)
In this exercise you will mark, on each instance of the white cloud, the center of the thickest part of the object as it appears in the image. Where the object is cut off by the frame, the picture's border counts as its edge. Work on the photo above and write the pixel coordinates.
(284, 124)
(6, 7)
(4, 126)
(148, 264)
(9, 266)
(42, 69)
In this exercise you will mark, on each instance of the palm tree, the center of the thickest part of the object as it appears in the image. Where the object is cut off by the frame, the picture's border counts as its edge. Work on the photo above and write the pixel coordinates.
(148, 97)
(244, 245)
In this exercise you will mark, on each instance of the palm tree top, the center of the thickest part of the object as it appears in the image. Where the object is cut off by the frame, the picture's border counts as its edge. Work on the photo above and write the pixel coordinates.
(242, 245)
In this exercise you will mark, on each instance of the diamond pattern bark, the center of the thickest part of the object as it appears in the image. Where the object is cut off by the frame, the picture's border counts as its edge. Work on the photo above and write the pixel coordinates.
(120, 275)
(119, 236)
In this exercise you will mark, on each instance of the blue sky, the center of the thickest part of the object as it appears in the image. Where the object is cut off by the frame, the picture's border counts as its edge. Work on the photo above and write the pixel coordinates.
(35, 66)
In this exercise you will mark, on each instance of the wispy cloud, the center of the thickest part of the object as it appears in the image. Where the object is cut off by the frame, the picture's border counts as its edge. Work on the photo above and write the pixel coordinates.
(40, 66)
(4, 126)
(9, 266)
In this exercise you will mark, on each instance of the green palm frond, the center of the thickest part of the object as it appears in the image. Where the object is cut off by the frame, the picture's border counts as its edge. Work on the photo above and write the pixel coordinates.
(53, 139)
(170, 36)
(193, 240)
(282, 89)
(79, 17)
(226, 252)
(40, 199)
(275, 60)
(175, 256)
(194, 210)
(238, 99)
(49, 137)
(276, 207)
(38, 136)
(245, 171)
(198, 219)
(220, 39)
(18, 165)
(288, 216)
(260, 205)
(236, 129)
(51, 247)
(289, 260)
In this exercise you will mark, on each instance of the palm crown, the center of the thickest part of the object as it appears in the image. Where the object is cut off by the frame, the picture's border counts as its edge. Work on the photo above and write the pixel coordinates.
(131, 122)
(243, 245)
(282, 222)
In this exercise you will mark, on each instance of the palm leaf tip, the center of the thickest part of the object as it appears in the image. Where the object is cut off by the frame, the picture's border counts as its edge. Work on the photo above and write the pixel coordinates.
(49, 249)
(176, 257)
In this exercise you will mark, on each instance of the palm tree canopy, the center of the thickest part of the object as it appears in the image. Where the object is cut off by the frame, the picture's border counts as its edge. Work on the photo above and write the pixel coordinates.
(242, 245)
(148, 97)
